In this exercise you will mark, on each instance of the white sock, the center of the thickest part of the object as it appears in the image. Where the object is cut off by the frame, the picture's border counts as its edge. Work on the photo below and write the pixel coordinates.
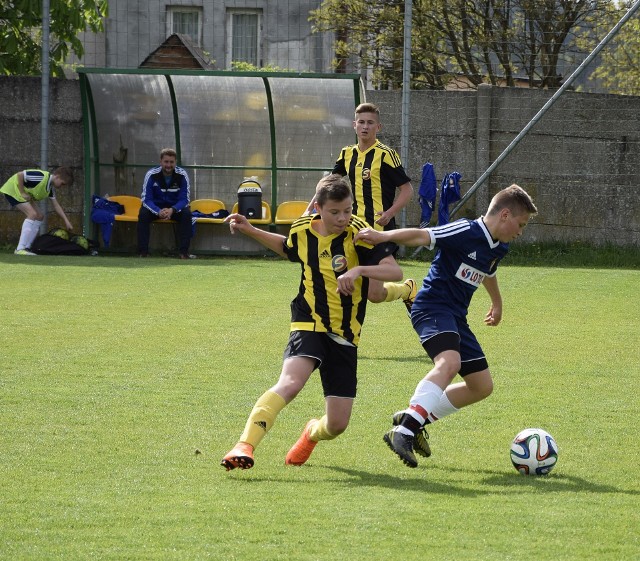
(442, 409)
(34, 231)
(425, 399)
(29, 232)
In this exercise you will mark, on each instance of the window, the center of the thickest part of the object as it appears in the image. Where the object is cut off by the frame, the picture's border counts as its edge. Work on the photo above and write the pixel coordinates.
(244, 36)
(185, 20)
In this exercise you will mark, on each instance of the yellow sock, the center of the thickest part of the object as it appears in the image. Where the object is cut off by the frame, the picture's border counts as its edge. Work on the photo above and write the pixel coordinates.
(396, 291)
(319, 431)
(262, 417)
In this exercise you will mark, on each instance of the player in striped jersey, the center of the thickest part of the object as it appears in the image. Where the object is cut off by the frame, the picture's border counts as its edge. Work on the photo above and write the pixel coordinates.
(376, 173)
(326, 317)
(24, 189)
(468, 253)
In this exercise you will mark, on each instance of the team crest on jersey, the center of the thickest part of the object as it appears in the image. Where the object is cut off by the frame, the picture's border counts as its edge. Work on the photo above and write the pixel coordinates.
(366, 174)
(339, 263)
(470, 275)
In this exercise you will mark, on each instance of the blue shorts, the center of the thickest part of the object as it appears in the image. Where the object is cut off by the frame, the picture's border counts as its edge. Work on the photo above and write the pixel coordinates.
(338, 363)
(442, 331)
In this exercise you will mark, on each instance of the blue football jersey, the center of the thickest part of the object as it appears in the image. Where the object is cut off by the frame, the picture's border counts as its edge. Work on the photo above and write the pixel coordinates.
(466, 254)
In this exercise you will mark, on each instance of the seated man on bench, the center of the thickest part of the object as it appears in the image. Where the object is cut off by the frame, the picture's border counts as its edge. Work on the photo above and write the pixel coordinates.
(165, 196)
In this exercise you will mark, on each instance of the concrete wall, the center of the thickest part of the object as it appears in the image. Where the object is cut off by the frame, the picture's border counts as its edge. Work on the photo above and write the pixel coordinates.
(581, 162)
(20, 142)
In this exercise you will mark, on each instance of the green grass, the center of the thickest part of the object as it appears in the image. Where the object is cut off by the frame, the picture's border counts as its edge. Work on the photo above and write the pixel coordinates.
(123, 382)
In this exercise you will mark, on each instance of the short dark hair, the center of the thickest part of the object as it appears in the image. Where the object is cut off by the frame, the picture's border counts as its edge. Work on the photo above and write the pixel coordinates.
(65, 174)
(332, 187)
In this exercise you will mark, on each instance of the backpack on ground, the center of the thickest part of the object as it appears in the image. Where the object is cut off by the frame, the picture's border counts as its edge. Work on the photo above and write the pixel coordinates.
(60, 242)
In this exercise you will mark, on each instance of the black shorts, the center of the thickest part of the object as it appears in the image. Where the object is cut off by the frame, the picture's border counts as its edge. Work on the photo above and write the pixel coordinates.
(13, 202)
(338, 363)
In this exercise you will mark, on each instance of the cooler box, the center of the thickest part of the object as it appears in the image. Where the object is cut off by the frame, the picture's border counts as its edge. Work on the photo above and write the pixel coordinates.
(250, 199)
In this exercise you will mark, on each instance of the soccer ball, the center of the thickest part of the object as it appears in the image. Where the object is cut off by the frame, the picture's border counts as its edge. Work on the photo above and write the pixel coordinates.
(534, 452)
(60, 233)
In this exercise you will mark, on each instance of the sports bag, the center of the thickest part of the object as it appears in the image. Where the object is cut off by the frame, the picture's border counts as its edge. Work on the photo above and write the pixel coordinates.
(59, 242)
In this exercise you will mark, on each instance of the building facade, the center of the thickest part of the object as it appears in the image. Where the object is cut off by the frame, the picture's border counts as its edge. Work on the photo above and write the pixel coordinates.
(261, 33)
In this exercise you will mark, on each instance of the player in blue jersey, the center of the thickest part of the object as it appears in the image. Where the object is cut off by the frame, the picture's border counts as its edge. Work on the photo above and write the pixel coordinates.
(468, 253)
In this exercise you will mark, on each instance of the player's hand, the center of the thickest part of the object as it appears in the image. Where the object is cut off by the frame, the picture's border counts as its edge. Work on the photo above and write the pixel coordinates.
(237, 222)
(493, 317)
(385, 218)
(369, 235)
(346, 282)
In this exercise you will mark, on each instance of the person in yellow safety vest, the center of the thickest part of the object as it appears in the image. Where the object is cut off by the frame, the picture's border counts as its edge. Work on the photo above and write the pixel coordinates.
(24, 189)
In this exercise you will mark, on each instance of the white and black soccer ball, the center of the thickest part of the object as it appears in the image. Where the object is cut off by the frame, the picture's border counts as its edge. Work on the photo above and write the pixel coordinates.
(534, 452)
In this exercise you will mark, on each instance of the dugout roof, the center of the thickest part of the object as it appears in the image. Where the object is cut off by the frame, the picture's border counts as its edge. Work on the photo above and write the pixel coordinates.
(284, 128)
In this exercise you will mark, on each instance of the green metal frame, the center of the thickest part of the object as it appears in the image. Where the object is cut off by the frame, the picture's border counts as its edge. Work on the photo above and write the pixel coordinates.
(92, 162)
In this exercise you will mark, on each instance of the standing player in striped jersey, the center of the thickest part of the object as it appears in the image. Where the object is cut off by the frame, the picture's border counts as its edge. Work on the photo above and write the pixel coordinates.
(468, 256)
(326, 317)
(376, 173)
(24, 189)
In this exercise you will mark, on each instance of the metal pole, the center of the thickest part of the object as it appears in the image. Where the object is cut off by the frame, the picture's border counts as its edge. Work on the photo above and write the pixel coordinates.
(406, 90)
(44, 123)
(546, 107)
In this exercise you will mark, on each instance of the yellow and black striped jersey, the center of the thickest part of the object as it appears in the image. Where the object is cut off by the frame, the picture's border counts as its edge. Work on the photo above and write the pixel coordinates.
(375, 174)
(318, 306)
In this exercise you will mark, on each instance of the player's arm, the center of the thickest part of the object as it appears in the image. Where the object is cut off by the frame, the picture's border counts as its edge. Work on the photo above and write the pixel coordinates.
(386, 270)
(21, 189)
(494, 315)
(60, 212)
(271, 240)
(403, 236)
(405, 194)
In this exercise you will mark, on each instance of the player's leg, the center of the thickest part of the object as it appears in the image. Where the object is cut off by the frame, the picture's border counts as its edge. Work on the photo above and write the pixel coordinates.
(440, 339)
(477, 383)
(296, 370)
(474, 388)
(390, 291)
(30, 226)
(339, 382)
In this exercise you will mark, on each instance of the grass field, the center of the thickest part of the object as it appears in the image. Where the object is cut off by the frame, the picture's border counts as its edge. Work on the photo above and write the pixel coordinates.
(124, 381)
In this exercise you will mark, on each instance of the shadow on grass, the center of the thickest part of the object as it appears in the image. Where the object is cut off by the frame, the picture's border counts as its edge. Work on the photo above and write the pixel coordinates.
(415, 484)
(420, 359)
(553, 483)
(492, 482)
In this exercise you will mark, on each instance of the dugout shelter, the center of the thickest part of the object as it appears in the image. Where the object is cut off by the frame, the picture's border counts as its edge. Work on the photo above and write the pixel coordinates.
(285, 129)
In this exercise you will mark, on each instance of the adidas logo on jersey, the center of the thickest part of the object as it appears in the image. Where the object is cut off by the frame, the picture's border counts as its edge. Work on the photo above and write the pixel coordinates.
(472, 255)
(325, 253)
